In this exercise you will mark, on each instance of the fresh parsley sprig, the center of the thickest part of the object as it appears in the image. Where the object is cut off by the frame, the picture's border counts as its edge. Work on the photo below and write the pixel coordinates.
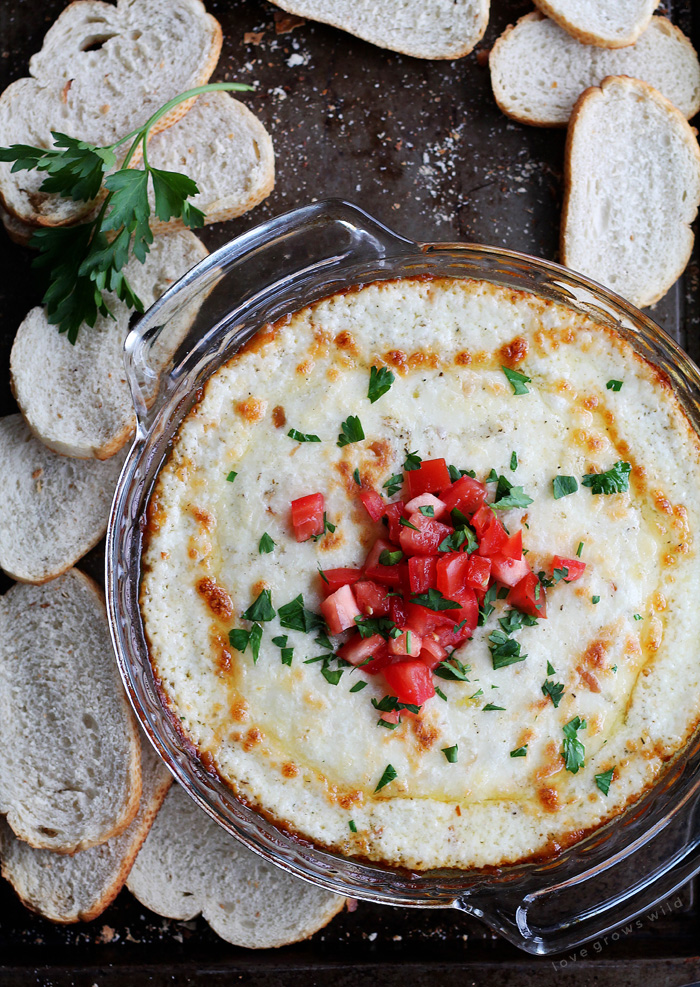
(86, 261)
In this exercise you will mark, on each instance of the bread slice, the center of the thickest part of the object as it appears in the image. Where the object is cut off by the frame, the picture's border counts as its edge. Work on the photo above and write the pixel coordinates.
(75, 398)
(70, 774)
(78, 887)
(631, 189)
(538, 70)
(189, 864)
(422, 28)
(53, 509)
(102, 71)
(607, 23)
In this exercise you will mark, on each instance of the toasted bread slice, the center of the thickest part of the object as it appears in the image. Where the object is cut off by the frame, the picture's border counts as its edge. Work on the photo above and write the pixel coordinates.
(75, 398)
(189, 865)
(53, 509)
(606, 23)
(632, 189)
(538, 70)
(70, 774)
(422, 28)
(78, 887)
(102, 71)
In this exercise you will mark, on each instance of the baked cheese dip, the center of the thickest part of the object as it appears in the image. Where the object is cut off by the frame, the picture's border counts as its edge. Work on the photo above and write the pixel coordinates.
(420, 575)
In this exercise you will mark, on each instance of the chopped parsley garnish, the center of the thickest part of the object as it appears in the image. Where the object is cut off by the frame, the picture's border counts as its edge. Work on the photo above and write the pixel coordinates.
(434, 600)
(332, 675)
(487, 607)
(281, 640)
(513, 620)
(450, 754)
(387, 557)
(350, 431)
(441, 694)
(579, 549)
(352, 826)
(356, 476)
(296, 617)
(388, 776)
(367, 626)
(380, 380)
(456, 474)
(614, 669)
(504, 650)
(507, 496)
(479, 692)
(559, 574)
(407, 524)
(573, 750)
(603, 780)
(638, 616)
(327, 526)
(514, 460)
(359, 686)
(265, 545)
(412, 462)
(552, 689)
(427, 510)
(550, 669)
(490, 708)
(240, 639)
(517, 380)
(387, 704)
(286, 655)
(562, 486)
(298, 436)
(393, 484)
(595, 599)
(262, 609)
(322, 574)
(462, 538)
(614, 385)
(232, 476)
(614, 480)
(452, 669)
(519, 751)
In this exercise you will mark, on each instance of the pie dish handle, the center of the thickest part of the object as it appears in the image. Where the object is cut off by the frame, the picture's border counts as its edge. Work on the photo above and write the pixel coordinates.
(322, 242)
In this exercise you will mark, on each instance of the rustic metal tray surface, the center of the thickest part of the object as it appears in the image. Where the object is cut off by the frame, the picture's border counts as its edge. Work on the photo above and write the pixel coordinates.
(423, 147)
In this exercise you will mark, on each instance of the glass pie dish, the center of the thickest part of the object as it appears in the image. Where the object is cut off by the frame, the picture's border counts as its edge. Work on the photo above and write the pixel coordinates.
(604, 880)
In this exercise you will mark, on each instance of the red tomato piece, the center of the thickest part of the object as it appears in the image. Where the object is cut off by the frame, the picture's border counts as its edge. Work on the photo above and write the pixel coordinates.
(407, 643)
(388, 575)
(335, 578)
(394, 512)
(575, 566)
(359, 648)
(373, 504)
(508, 572)
(433, 652)
(410, 681)
(478, 572)
(466, 494)
(426, 500)
(526, 596)
(452, 573)
(432, 474)
(426, 539)
(482, 520)
(422, 573)
(339, 610)
(513, 546)
(392, 716)
(381, 660)
(467, 616)
(493, 539)
(371, 598)
(423, 620)
(307, 516)
(397, 610)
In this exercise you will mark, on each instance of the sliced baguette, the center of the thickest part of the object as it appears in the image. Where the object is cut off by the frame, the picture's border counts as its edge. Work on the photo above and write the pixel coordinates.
(189, 865)
(75, 398)
(631, 189)
(422, 28)
(78, 887)
(70, 774)
(103, 70)
(538, 70)
(53, 509)
(606, 23)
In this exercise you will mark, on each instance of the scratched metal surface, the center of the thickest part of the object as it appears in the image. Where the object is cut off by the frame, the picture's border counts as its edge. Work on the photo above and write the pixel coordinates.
(423, 147)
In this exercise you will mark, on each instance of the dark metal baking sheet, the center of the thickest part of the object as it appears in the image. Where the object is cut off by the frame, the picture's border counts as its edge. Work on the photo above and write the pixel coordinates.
(423, 147)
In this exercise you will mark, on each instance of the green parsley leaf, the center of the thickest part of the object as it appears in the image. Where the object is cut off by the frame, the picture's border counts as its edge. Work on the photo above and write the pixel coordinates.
(238, 638)
(573, 750)
(297, 618)
(514, 460)
(504, 650)
(332, 676)
(519, 751)
(387, 704)
(387, 557)
(322, 574)
(614, 668)
(352, 826)
(450, 753)
(452, 669)
(614, 480)
(559, 574)
(461, 539)
(553, 689)
(493, 477)
(456, 474)
(358, 686)
(351, 431)
(562, 486)
(595, 599)
(614, 385)
(298, 436)
(255, 639)
(490, 708)
(441, 694)
(487, 607)
(477, 694)
(265, 545)
(388, 776)
(603, 780)
(380, 380)
(579, 549)
(517, 380)
(638, 616)
(509, 497)
(281, 640)
(286, 655)
(367, 626)
(407, 524)
(323, 641)
(427, 511)
(434, 600)
(550, 669)
(513, 620)
(412, 462)
(231, 477)
(393, 484)
(327, 526)
(262, 609)
(356, 476)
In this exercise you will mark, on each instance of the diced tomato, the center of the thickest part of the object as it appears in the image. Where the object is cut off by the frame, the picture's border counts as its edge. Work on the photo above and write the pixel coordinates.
(426, 539)
(452, 573)
(507, 571)
(512, 547)
(431, 475)
(381, 660)
(466, 494)
(359, 648)
(339, 610)
(482, 520)
(423, 620)
(407, 643)
(371, 598)
(388, 575)
(410, 681)
(433, 652)
(391, 716)
(527, 597)
(394, 512)
(422, 573)
(478, 572)
(373, 504)
(493, 535)
(575, 566)
(335, 578)
(397, 610)
(426, 500)
(307, 516)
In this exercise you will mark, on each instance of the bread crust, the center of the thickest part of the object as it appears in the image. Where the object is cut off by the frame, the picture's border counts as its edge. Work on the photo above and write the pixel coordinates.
(590, 37)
